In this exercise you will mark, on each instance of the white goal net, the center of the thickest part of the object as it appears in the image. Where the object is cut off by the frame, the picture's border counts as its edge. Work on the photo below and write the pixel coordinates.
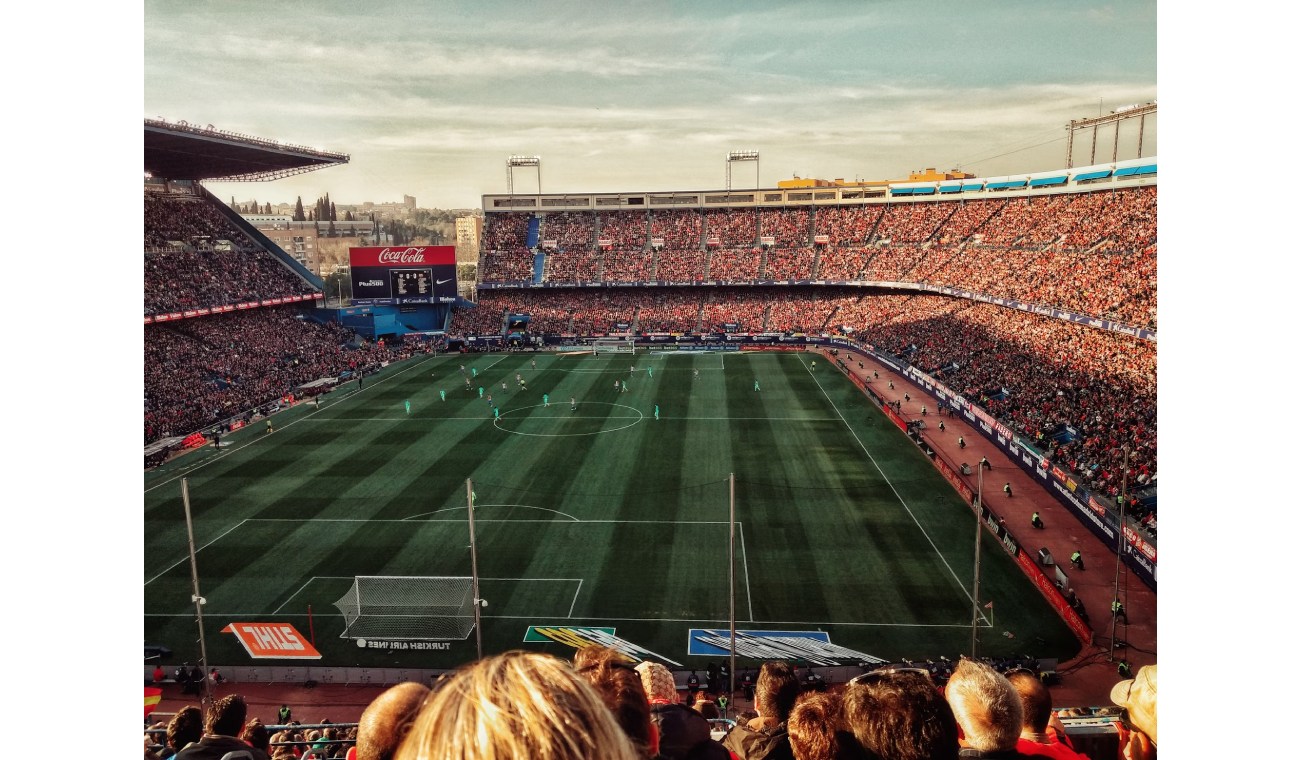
(613, 346)
(408, 607)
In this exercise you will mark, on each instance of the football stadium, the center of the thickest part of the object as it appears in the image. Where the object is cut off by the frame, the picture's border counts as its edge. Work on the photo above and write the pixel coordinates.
(840, 427)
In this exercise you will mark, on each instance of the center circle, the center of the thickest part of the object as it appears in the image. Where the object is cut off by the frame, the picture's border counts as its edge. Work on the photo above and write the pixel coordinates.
(632, 420)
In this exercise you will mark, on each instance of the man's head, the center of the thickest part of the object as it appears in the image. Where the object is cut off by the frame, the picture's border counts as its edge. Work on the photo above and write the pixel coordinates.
(226, 716)
(1035, 701)
(386, 720)
(776, 690)
(185, 726)
(1138, 696)
(256, 735)
(619, 685)
(900, 715)
(986, 706)
(817, 730)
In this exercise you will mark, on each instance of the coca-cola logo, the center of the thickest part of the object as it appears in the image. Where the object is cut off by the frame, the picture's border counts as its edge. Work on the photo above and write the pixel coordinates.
(404, 256)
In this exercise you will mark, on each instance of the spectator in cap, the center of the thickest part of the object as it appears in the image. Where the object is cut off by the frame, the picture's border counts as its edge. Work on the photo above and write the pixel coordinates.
(683, 732)
(1138, 697)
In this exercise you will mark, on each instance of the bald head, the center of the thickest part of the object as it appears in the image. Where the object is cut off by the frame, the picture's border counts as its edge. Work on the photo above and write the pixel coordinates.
(385, 722)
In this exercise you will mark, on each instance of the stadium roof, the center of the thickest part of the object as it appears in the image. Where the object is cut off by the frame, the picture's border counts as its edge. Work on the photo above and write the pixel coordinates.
(182, 151)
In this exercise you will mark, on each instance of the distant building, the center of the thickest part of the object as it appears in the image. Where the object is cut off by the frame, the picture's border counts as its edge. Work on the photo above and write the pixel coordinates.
(925, 175)
(310, 243)
(469, 229)
(930, 175)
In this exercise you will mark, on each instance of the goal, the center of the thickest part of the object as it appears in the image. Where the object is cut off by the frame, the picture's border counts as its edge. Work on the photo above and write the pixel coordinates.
(408, 607)
(613, 346)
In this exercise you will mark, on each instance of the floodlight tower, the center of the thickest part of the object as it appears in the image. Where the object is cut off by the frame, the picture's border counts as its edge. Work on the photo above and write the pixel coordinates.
(534, 162)
(742, 155)
(1123, 113)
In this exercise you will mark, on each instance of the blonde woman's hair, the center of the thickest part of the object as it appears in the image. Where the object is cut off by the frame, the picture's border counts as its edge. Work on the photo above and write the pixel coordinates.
(516, 705)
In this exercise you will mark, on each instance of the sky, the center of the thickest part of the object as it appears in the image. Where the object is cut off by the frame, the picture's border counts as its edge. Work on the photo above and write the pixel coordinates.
(430, 99)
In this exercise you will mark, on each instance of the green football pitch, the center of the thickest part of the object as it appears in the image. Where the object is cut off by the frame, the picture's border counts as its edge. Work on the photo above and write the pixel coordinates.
(594, 515)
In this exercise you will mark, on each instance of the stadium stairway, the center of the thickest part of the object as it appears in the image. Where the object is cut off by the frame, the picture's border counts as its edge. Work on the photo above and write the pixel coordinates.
(539, 267)
(534, 231)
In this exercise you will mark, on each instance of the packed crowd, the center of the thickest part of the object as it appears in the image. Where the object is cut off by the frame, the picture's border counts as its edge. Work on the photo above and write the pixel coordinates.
(847, 226)
(629, 265)
(790, 264)
(505, 254)
(680, 229)
(733, 264)
(731, 227)
(198, 372)
(912, 222)
(1092, 253)
(1040, 376)
(680, 265)
(577, 265)
(569, 230)
(602, 705)
(625, 229)
(674, 310)
(194, 258)
(789, 228)
(842, 263)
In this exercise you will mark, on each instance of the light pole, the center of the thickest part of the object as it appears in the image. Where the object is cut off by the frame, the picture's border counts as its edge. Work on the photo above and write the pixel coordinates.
(742, 155)
(479, 603)
(975, 592)
(533, 162)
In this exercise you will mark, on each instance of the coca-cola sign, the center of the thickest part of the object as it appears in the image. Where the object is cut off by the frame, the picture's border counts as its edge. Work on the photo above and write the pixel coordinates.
(389, 256)
(403, 256)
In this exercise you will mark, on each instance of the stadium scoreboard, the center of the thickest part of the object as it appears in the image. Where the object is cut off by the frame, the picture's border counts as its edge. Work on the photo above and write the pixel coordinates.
(403, 274)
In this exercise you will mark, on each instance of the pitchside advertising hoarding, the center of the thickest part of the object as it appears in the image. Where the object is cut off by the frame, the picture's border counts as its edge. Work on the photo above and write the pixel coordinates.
(401, 275)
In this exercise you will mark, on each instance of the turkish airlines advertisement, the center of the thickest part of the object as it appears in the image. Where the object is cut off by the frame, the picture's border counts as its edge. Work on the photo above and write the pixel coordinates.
(403, 274)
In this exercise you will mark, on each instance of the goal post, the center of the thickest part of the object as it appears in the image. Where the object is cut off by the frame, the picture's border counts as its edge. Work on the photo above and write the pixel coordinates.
(613, 346)
(408, 607)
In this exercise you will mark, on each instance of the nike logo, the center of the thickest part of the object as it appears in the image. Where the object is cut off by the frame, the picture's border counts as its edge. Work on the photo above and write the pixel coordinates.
(439, 282)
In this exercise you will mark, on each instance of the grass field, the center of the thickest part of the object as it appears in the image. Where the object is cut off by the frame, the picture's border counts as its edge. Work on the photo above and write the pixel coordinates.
(599, 516)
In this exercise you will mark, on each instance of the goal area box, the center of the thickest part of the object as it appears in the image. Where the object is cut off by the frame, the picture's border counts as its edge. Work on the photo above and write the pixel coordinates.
(408, 607)
(613, 346)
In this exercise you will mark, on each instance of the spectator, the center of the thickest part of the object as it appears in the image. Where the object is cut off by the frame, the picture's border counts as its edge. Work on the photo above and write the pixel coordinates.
(222, 726)
(683, 732)
(257, 736)
(516, 705)
(1041, 733)
(387, 720)
(1138, 698)
(987, 709)
(185, 728)
(619, 685)
(818, 731)
(899, 714)
(766, 736)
